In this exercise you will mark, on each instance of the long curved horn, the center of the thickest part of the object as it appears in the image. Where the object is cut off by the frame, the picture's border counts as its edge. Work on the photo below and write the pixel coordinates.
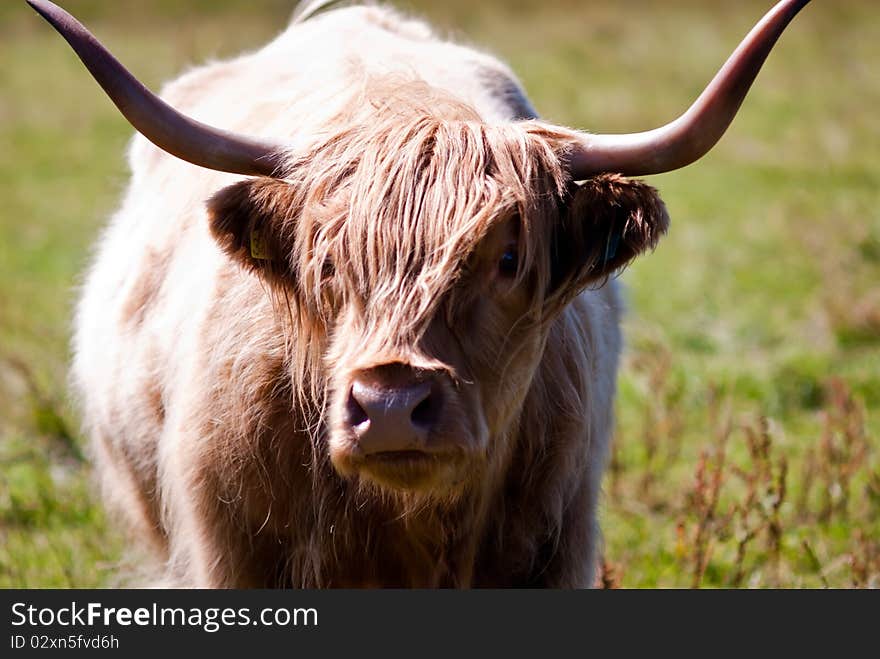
(693, 134)
(164, 126)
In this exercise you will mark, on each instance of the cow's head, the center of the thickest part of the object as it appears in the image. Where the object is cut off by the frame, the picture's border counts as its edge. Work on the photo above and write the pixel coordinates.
(426, 251)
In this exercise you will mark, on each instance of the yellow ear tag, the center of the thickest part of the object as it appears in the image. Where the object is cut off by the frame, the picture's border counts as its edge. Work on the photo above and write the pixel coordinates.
(259, 249)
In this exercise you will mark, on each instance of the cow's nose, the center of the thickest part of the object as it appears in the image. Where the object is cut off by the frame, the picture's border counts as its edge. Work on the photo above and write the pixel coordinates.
(396, 415)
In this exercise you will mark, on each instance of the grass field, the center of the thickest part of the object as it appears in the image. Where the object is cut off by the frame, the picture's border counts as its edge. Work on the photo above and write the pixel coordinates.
(747, 451)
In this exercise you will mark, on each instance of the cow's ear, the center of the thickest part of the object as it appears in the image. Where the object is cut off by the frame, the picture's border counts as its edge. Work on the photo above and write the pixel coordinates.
(607, 222)
(252, 221)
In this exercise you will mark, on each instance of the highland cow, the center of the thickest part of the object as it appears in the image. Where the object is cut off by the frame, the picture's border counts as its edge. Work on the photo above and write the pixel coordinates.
(367, 333)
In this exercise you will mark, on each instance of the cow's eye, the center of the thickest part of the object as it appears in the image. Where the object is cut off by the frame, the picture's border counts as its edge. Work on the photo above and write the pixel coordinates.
(508, 263)
(327, 268)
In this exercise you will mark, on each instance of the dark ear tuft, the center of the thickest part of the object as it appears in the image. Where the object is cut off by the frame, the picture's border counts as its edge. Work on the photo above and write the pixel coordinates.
(252, 221)
(608, 221)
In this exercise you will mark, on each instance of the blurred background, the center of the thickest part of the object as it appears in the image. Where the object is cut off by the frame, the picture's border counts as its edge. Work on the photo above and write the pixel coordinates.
(747, 445)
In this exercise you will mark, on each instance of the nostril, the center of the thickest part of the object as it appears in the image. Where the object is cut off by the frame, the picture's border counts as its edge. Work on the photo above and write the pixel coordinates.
(427, 412)
(355, 414)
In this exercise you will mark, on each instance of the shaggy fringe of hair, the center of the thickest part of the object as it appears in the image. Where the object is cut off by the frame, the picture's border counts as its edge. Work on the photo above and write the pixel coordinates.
(424, 179)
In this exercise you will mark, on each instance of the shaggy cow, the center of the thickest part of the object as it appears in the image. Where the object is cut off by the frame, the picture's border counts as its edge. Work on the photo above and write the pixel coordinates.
(371, 340)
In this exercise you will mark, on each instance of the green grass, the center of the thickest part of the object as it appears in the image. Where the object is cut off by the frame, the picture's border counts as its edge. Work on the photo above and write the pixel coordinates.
(760, 308)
